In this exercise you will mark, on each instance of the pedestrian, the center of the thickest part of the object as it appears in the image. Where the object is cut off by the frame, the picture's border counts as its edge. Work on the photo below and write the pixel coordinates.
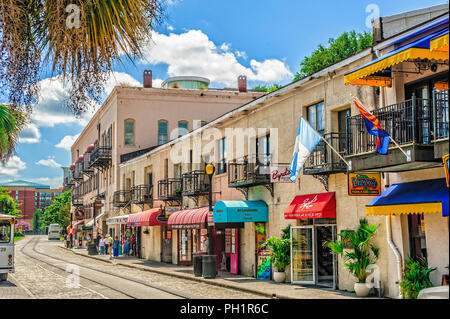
(102, 245)
(126, 247)
(116, 247)
(110, 245)
(106, 243)
(133, 244)
(97, 240)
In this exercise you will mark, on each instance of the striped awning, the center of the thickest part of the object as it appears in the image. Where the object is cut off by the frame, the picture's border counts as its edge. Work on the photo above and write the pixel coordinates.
(419, 49)
(189, 218)
(117, 220)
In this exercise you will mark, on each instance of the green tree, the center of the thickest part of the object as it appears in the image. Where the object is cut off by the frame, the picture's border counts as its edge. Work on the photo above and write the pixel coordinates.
(58, 212)
(8, 205)
(12, 120)
(36, 222)
(268, 89)
(348, 43)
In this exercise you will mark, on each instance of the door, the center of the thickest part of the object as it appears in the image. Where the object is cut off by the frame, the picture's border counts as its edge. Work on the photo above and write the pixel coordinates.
(324, 258)
(234, 255)
(302, 255)
(166, 242)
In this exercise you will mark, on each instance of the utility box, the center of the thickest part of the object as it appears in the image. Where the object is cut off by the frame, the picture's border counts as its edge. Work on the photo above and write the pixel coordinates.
(209, 266)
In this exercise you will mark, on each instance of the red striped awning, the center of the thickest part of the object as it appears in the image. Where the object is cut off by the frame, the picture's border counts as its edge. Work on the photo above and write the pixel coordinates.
(151, 217)
(312, 206)
(189, 218)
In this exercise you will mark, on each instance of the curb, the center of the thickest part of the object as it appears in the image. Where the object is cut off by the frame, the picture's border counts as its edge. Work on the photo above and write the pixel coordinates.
(198, 279)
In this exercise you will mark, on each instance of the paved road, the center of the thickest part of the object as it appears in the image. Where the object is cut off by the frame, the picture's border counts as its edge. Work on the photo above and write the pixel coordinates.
(43, 270)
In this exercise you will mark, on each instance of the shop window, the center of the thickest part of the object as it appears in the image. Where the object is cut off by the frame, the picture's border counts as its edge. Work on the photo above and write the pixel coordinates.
(129, 132)
(417, 241)
(162, 132)
(316, 117)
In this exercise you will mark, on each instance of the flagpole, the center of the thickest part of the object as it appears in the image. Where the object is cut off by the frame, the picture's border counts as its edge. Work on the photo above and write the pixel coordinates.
(335, 151)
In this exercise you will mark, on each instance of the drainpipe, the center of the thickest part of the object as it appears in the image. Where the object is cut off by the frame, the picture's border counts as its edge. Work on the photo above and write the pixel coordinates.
(394, 248)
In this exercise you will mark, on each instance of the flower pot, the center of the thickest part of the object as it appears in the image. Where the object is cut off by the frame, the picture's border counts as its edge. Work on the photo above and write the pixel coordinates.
(279, 276)
(361, 289)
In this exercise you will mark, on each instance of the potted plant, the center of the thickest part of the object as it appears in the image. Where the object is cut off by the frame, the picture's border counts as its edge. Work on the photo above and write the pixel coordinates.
(281, 252)
(360, 254)
(417, 277)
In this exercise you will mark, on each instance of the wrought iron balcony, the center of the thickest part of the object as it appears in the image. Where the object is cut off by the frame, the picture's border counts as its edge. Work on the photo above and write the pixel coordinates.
(87, 169)
(77, 199)
(170, 189)
(142, 194)
(101, 157)
(250, 170)
(195, 183)
(323, 159)
(68, 181)
(121, 198)
(440, 114)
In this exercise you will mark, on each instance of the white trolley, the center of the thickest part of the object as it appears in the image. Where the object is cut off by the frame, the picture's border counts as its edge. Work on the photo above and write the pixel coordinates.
(7, 223)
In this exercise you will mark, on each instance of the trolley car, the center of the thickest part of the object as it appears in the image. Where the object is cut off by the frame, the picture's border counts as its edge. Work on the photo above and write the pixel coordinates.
(7, 223)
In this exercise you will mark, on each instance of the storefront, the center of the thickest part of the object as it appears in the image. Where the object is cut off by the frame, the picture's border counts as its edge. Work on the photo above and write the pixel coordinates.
(229, 220)
(135, 222)
(78, 234)
(311, 262)
(118, 225)
(191, 225)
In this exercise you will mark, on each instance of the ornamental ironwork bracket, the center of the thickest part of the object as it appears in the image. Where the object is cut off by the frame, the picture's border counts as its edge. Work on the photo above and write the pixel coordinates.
(323, 178)
(244, 191)
(269, 187)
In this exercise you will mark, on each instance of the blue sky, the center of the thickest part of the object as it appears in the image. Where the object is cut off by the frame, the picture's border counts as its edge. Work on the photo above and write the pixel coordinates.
(266, 40)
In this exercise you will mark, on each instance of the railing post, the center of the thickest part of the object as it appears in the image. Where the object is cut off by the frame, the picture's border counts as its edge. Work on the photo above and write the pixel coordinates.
(435, 128)
(413, 110)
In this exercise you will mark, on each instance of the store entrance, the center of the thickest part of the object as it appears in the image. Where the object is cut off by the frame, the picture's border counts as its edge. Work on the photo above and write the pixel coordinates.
(324, 258)
(166, 243)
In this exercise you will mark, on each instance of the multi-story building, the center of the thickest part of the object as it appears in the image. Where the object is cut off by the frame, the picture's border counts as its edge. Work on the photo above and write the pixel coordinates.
(406, 87)
(133, 120)
(31, 196)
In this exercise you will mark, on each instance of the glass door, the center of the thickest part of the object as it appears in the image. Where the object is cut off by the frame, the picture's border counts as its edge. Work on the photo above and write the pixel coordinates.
(325, 263)
(302, 255)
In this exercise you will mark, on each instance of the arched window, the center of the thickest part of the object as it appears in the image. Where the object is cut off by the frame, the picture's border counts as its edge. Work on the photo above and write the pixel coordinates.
(129, 128)
(182, 128)
(162, 131)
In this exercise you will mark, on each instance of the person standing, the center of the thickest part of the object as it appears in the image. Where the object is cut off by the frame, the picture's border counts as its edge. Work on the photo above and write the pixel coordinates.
(110, 245)
(116, 247)
(106, 243)
(126, 247)
(97, 240)
(102, 245)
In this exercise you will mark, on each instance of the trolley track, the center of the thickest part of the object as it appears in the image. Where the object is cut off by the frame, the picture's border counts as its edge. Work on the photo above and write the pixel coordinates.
(36, 241)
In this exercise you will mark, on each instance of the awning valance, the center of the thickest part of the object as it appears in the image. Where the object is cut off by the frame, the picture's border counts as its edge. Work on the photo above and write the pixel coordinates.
(440, 43)
(321, 205)
(189, 218)
(78, 224)
(151, 217)
(117, 220)
(429, 196)
(419, 49)
(238, 211)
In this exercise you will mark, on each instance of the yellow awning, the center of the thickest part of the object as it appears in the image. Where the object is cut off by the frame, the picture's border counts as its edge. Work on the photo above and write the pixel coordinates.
(411, 53)
(440, 44)
(422, 208)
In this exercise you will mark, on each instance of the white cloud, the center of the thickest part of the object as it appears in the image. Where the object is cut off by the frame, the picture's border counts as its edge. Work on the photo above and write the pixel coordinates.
(30, 134)
(170, 28)
(54, 182)
(192, 53)
(241, 54)
(67, 142)
(12, 167)
(49, 162)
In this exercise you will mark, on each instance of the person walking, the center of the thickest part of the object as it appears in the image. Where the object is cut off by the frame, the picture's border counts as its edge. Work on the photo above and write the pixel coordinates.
(110, 245)
(97, 240)
(106, 243)
(102, 245)
(116, 247)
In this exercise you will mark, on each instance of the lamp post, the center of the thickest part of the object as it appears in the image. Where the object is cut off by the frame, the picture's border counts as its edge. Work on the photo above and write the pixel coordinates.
(209, 261)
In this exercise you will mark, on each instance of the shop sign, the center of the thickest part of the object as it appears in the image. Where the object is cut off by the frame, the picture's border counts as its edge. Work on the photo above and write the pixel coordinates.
(171, 209)
(98, 204)
(264, 266)
(162, 218)
(210, 219)
(364, 184)
(445, 159)
(79, 214)
(280, 174)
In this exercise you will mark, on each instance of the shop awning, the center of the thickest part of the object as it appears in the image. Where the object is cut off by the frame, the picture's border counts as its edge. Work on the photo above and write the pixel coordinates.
(78, 224)
(189, 218)
(440, 43)
(117, 220)
(419, 49)
(429, 196)
(321, 205)
(99, 216)
(238, 211)
(151, 217)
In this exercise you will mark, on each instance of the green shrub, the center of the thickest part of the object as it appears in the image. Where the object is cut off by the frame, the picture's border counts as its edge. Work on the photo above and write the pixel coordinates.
(281, 252)
(417, 277)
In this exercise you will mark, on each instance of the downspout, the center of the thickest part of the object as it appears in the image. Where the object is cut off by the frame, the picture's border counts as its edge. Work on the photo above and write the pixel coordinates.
(394, 248)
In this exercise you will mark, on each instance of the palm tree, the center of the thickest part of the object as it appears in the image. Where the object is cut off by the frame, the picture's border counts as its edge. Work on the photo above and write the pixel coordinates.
(78, 39)
(12, 120)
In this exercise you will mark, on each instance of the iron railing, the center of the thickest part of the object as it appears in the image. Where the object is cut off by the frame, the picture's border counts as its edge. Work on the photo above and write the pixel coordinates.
(87, 163)
(195, 183)
(170, 189)
(323, 159)
(101, 156)
(440, 114)
(121, 198)
(78, 171)
(249, 170)
(142, 194)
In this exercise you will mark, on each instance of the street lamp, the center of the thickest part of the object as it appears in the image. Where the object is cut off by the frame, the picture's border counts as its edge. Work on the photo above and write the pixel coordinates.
(209, 261)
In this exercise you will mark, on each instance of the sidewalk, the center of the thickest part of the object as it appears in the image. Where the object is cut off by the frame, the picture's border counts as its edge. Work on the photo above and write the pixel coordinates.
(248, 284)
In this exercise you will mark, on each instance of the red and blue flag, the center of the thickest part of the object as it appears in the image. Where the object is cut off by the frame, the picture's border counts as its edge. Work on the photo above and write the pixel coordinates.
(374, 127)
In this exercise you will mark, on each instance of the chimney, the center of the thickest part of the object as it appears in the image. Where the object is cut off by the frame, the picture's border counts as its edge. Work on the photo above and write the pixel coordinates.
(242, 83)
(147, 78)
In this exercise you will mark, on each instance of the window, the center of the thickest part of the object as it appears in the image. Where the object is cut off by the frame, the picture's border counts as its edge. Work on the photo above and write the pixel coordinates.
(182, 128)
(222, 157)
(162, 132)
(316, 117)
(417, 241)
(129, 132)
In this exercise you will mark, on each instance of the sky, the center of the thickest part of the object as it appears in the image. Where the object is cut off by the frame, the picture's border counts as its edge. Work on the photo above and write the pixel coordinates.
(265, 40)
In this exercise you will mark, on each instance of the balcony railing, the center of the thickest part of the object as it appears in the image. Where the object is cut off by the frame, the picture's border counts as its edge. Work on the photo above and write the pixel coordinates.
(407, 122)
(121, 198)
(195, 183)
(87, 169)
(142, 194)
(249, 170)
(77, 199)
(68, 181)
(170, 189)
(77, 172)
(323, 159)
(101, 156)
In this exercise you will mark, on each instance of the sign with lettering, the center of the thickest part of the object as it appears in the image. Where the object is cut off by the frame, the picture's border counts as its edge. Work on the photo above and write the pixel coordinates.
(446, 167)
(79, 214)
(280, 174)
(364, 184)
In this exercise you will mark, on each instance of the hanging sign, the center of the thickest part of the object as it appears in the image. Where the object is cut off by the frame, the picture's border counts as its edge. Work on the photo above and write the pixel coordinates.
(280, 174)
(79, 214)
(445, 159)
(364, 184)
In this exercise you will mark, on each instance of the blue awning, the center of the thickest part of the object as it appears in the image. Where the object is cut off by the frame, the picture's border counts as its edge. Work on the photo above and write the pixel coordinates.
(429, 196)
(238, 211)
